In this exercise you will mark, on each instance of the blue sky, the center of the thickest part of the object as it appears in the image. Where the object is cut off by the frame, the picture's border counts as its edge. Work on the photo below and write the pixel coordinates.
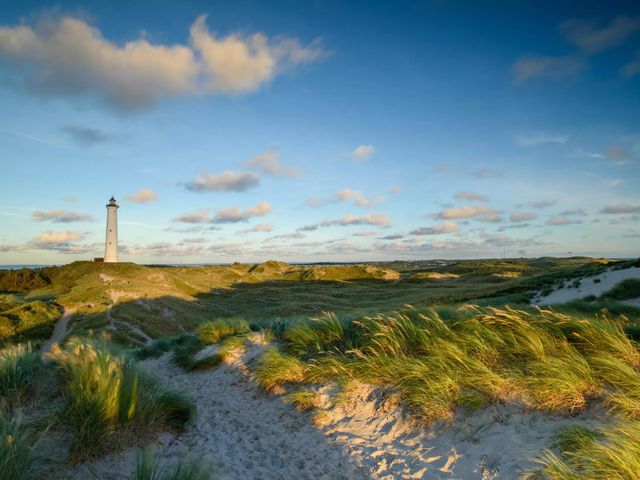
(319, 131)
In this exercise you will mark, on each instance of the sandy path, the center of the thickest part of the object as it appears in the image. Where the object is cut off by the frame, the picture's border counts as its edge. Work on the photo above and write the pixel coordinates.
(245, 433)
(241, 431)
(59, 331)
(596, 285)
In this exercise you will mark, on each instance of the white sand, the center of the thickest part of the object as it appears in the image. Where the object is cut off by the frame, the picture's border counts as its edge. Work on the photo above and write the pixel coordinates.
(589, 286)
(245, 433)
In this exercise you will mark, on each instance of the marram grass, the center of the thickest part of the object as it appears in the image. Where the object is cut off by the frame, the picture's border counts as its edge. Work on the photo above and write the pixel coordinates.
(108, 394)
(19, 368)
(17, 454)
(540, 358)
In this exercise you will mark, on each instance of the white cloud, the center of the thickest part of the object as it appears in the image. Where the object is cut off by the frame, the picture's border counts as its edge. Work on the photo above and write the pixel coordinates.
(620, 209)
(60, 216)
(531, 139)
(234, 214)
(379, 219)
(560, 220)
(357, 197)
(49, 237)
(144, 195)
(529, 67)
(269, 162)
(69, 57)
(589, 38)
(227, 215)
(442, 228)
(223, 182)
(522, 216)
(376, 219)
(259, 228)
(474, 197)
(479, 212)
(362, 152)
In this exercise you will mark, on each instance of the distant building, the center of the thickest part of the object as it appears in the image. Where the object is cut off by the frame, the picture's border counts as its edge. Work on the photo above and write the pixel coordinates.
(98, 259)
(111, 241)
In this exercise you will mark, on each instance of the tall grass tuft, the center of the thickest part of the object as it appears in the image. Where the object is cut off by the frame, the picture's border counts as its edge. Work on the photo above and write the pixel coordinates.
(108, 394)
(276, 368)
(17, 455)
(613, 455)
(19, 368)
(148, 468)
(216, 330)
(538, 357)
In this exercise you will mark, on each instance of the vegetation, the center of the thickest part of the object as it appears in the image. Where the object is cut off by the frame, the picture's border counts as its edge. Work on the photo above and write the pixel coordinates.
(17, 455)
(148, 467)
(625, 290)
(19, 368)
(108, 394)
(614, 455)
(33, 320)
(439, 361)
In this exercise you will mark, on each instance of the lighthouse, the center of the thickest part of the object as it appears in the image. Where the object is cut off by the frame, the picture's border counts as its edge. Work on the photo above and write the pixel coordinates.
(111, 242)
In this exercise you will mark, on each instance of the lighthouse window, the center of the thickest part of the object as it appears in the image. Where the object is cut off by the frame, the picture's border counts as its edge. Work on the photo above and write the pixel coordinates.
(109, 230)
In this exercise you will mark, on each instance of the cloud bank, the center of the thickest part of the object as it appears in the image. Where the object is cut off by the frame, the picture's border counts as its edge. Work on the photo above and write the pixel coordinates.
(69, 57)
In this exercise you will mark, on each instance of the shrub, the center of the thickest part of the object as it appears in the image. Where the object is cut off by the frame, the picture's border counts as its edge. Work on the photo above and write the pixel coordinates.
(19, 367)
(108, 394)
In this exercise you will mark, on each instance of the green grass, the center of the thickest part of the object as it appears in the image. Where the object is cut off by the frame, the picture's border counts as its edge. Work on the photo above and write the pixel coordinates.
(613, 455)
(17, 455)
(33, 320)
(625, 290)
(148, 467)
(109, 396)
(213, 332)
(304, 399)
(19, 369)
(443, 360)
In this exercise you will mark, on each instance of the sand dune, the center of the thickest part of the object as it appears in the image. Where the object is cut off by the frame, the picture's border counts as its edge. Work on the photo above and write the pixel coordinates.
(245, 433)
(596, 285)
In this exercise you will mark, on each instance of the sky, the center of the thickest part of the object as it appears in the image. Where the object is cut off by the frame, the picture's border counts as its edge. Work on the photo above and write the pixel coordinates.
(319, 130)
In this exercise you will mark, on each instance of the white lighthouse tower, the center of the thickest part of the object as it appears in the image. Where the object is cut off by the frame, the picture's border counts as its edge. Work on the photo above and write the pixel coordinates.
(111, 242)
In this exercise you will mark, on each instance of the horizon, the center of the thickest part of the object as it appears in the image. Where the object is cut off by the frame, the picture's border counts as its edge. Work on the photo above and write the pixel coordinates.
(338, 132)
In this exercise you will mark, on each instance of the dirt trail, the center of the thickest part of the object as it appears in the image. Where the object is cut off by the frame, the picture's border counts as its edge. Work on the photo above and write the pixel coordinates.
(59, 331)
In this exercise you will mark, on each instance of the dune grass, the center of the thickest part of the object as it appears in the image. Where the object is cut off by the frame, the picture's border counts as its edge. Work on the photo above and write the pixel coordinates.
(17, 455)
(19, 369)
(108, 395)
(613, 455)
(148, 467)
(441, 360)
(625, 290)
(216, 330)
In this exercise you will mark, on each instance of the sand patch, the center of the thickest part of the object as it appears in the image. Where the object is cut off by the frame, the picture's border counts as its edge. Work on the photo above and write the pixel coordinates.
(580, 288)
(245, 433)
